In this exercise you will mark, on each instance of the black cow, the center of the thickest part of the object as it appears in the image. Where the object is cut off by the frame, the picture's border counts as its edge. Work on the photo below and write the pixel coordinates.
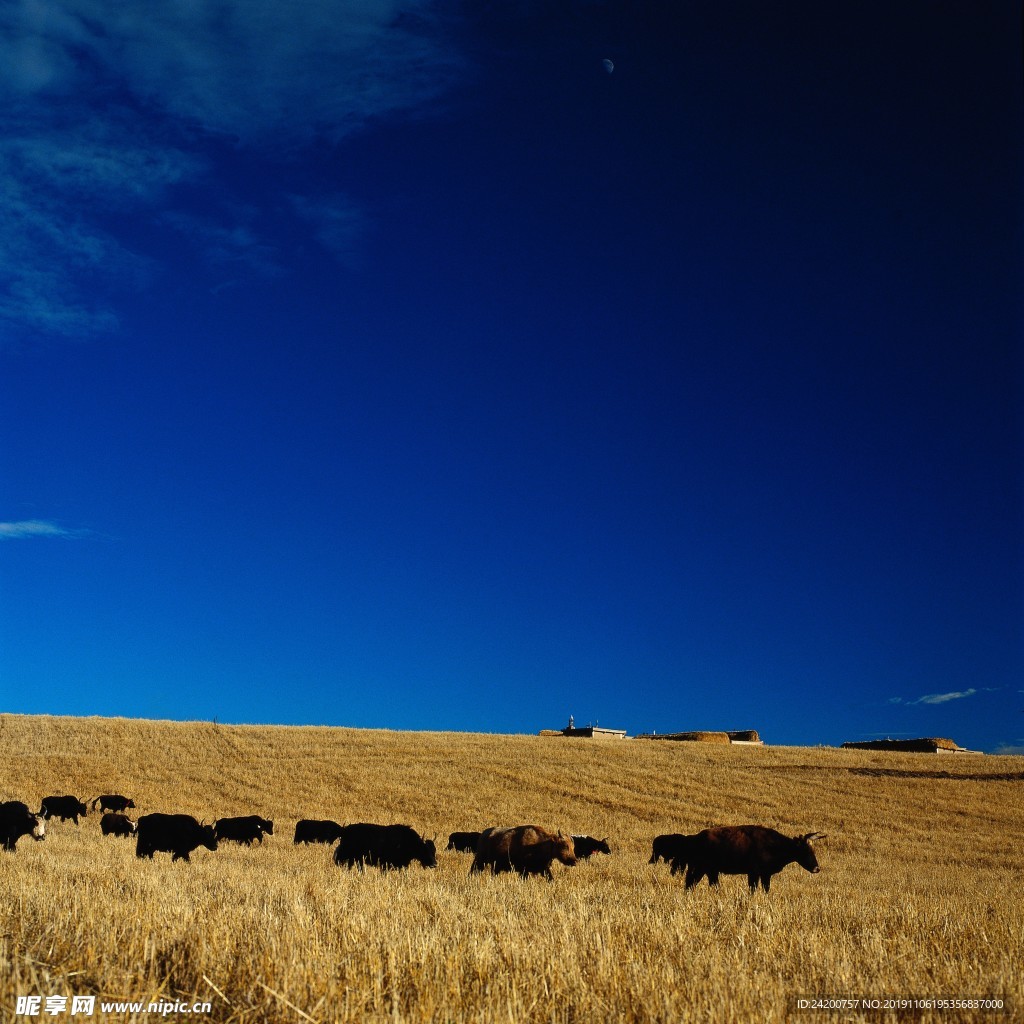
(63, 807)
(669, 847)
(528, 849)
(312, 830)
(113, 802)
(16, 820)
(751, 850)
(243, 830)
(585, 846)
(383, 846)
(463, 842)
(117, 825)
(177, 834)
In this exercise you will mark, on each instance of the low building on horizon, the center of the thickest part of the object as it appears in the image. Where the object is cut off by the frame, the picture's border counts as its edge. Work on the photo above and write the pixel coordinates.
(922, 745)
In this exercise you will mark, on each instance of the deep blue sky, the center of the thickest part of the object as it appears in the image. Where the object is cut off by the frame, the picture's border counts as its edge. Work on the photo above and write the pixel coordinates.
(394, 364)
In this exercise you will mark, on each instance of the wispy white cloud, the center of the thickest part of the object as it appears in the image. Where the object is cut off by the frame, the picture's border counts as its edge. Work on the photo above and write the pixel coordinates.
(179, 83)
(942, 698)
(26, 528)
(938, 698)
(1010, 748)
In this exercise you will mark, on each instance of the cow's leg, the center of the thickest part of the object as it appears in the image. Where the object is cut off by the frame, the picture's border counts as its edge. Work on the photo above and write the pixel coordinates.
(712, 878)
(693, 876)
(752, 880)
(766, 881)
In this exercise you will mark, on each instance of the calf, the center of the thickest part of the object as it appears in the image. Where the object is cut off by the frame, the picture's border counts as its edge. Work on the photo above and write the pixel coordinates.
(243, 830)
(586, 846)
(311, 830)
(117, 825)
(463, 842)
(113, 802)
(667, 847)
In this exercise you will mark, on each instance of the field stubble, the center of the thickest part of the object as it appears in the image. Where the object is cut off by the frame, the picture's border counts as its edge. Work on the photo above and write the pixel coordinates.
(919, 894)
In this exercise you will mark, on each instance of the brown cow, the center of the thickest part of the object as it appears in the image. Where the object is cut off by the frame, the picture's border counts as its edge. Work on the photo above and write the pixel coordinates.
(751, 850)
(528, 849)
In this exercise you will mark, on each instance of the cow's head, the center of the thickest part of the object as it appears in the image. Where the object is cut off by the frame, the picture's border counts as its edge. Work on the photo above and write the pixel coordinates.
(132, 826)
(38, 832)
(805, 852)
(207, 837)
(602, 846)
(267, 826)
(564, 850)
(131, 803)
(428, 853)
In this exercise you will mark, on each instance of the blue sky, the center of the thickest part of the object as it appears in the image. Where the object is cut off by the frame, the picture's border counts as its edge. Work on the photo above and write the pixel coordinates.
(395, 364)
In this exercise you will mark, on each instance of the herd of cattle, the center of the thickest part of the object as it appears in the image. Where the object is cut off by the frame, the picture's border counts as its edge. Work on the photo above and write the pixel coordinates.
(752, 850)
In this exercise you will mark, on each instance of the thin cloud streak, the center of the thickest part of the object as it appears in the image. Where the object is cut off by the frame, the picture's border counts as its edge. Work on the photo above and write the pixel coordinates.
(943, 698)
(34, 528)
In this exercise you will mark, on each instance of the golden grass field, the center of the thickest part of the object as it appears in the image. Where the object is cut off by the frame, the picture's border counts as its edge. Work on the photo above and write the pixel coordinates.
(921, 892)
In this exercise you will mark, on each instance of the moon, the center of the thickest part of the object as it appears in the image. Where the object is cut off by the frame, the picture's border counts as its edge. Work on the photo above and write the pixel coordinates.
(608, 65)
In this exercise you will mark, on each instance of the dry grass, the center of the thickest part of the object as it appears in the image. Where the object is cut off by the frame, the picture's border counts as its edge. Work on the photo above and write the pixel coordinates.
(919, 895)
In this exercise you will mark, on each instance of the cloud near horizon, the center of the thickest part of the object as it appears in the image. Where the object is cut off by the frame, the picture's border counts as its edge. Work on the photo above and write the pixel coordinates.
(181, 86)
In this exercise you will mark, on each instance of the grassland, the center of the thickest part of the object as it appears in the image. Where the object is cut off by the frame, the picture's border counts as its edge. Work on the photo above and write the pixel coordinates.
(920, 892)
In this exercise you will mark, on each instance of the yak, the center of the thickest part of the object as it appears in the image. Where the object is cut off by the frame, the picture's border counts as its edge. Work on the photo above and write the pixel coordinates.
(311, 830)
(243, 830)
(117, 825)
(585, 846)
(113, 802)
(669, 847)
(527, 849)
(383, 846)
(751, 850)
(16, 820)
(463, 842)
(63, 807)
(177, 834)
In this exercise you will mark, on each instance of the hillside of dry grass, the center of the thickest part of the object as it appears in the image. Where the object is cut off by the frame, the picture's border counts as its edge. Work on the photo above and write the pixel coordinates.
(919, 892)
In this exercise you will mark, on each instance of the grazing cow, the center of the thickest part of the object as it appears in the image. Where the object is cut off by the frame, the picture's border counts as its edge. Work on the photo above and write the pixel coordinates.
(117, 825)
(312, 830)
(16, 820)
(668, 847)
(113, 802)
(177, 834)
(585, 846)
(243, 830)
(463, 842)
(751, 850)
(383, 846)
(528, 849)
(63, 807)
